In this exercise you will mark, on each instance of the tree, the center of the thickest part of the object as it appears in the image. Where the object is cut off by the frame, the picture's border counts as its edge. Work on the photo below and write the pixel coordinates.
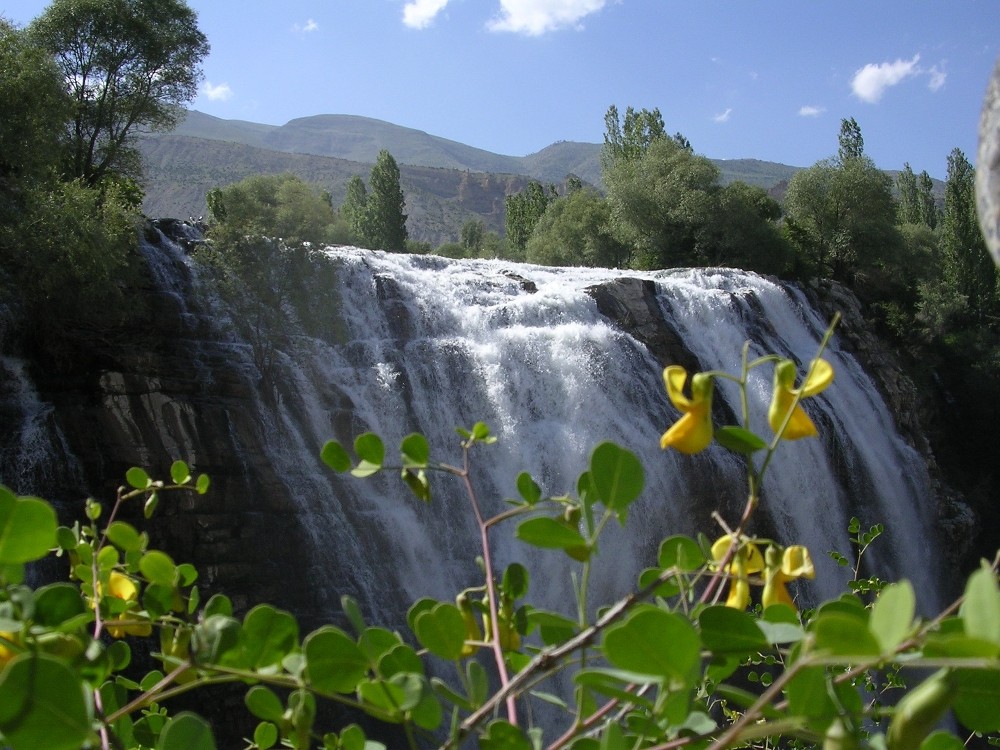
(743, 232)
(841, 213)
(628, 139)
(129, 65)
(521, 213)
(575, 231)
(660, 201)
(384, 226)
(352, 211)
(30, 130)
(909, 200)
(472, 235)
(968, 267)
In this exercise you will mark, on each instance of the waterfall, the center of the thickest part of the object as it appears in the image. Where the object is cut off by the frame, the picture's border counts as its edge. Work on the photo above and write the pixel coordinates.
(427, 344)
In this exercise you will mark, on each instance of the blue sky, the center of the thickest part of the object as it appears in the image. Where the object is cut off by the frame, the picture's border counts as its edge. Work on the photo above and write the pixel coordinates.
(766, 79)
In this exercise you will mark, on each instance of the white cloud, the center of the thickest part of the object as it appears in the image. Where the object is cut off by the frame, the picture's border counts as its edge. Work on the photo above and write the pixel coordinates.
(217, 93)
(535, 17)
(871, 81)
(723, 116)
(418, 14)
(307, 27)
(938, 78)
(811, 110)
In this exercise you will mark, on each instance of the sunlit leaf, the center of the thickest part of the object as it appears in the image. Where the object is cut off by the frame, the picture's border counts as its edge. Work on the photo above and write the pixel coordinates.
(158, 568)
(981, 608)
(528, 488)
(739, 440)
(616, 475)
(186, 731)
(654, 642)
(334, 661)
(268, 635)
(180, 473)
(45, 704)
(728, 630)
(138, 478)
(892, 615)
(263, 703)
(441, 630)
(548, 533)
(681, 552)
(415, 451)
(27, 528)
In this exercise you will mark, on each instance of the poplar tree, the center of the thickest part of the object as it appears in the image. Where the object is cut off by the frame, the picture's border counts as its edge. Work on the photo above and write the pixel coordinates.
(384, 226)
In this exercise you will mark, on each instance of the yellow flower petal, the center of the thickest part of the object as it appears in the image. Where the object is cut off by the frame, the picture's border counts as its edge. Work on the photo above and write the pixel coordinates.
(775, 592)
(797, 563)
(799, 424)
(122, 587)
(819, 377)
(748, 558)
(693, 432)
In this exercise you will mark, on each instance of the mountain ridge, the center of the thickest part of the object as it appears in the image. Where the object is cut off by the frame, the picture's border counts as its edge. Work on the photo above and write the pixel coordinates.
(446, 183)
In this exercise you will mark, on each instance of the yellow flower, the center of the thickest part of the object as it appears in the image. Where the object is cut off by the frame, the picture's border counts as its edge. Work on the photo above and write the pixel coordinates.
(745, 561)
(799, 425)
(6, 652)
(122, 587)
(782, 567)
(693, 431)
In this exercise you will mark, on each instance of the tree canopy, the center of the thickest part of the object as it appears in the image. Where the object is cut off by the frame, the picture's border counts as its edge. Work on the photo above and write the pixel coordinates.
(129, 65)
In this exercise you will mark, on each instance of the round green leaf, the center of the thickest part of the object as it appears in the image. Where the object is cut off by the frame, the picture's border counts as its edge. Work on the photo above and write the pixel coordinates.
(180, 473)
(981, 607)
(124, 536)
(528, 488)
(415, 451)
(401, 658)
(27, 528)
(57, 603)
(186, 731)
(268, 635)
(681, 552)
(441, 631)
(158, 568)
(45, 705)
(263, 703)
(892, 615)
(842, 634)
(334, 456)
(334, 663)
(654, 642)
(265, 736)
(616, 475)
(977, 699)
(138, 478)
(375, 642)
(725, 630)
(370, 449)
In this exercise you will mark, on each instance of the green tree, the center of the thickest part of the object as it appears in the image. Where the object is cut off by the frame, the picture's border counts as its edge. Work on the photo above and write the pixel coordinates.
(842, 215)
(472, 236)
(521, 213)
(627, 139)
(660, 201)
(352, 211)
(909, 199)
(968, 267)
(129, 65)
(575, 231)
(384, 225)
(35, 113)
(743, 231)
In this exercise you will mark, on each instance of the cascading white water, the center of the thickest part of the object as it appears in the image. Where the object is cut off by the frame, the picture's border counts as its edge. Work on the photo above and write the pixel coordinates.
(432, 344)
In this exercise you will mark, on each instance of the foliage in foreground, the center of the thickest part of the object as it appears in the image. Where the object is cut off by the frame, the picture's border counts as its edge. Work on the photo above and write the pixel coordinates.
(670, 665)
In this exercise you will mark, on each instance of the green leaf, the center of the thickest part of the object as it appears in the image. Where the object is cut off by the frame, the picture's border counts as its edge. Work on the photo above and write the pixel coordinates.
(214, 638)
(334, 662)
(335, 456)
(977, 699)
(500, 735)
(352, 610)
(615, 683)
(418, 607)
(841, 634)
(138, 478)
(739, 440)
(942, 740)
(725, 630)
(186, 731)
(264, 703)
(809, 697)
(441, 630)
(268, 635)
(158, 568)
(58, 603)
(124, 536)
(265, 736)
(654, 642)
(427, 714)
(480, 431)
(375, 642)
(528, 488)
(616, 475)
(681, 552)
(401, 658)
(892, 614)
(415, 451)
(180, 473)
(548, 533)
(418, 483)
(27, 528)
(514, 583)
(369, 447)
(149, 507)
(981, 609)
(202, 484)
(45, 704)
